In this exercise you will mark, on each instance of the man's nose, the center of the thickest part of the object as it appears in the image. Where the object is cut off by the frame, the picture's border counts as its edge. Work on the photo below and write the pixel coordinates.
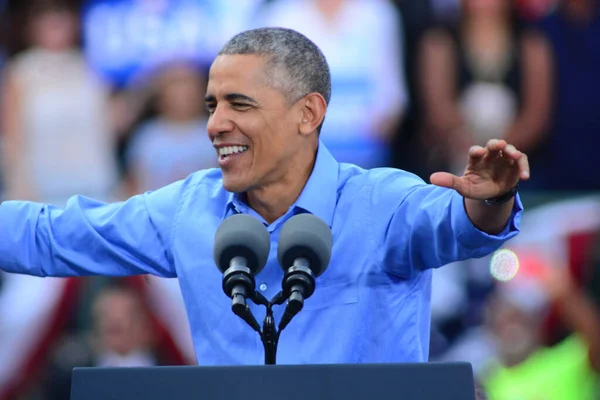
(219, 122)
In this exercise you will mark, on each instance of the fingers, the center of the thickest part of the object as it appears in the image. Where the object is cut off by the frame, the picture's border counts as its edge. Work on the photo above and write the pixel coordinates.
(477, 152)
(498, 162)
(496, 149)
(496, 145)
(523, 163)
(511, 152)
(500, 147)
(447, 180)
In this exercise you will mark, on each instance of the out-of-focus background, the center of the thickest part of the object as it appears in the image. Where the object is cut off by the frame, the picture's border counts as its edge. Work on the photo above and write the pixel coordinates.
(105, 98)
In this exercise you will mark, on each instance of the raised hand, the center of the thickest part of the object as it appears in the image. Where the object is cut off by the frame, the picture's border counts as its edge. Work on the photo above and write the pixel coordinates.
(491, 171)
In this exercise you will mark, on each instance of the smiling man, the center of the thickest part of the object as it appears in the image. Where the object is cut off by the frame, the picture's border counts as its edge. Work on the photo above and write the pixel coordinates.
(264, 122)
(267, 96)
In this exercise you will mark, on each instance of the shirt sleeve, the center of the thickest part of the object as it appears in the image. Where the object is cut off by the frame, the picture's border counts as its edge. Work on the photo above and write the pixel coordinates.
(428, 227)
(88, 237)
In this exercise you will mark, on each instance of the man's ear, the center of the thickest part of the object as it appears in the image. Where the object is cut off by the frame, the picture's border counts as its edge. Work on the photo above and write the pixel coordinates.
(313, 112)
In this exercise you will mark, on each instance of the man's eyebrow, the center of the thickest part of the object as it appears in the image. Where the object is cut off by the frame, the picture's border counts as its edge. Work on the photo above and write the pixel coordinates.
(238, 96)
(231, 97)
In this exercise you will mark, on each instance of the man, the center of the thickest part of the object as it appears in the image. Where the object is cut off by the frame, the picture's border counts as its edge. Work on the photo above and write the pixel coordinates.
(267, 96)
(120, 336)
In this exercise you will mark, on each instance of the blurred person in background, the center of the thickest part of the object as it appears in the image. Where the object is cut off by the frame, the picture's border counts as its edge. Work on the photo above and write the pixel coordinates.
(172, 144)
(121, 336)
(522, 365)
(55, 115)
(407, 152)
(573, 32)
(3, 55)
(364, 46)
(56, 143)
(484, 78)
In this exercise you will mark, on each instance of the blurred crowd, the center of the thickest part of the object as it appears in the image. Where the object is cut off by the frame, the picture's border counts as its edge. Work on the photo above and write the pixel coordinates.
(104, 98)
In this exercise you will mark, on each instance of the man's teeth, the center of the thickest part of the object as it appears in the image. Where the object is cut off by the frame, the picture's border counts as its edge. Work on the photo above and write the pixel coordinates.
(225, 151)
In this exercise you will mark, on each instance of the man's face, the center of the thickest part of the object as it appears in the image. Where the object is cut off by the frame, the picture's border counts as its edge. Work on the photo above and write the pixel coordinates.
(55, 30)
(251, 124)
(120, 323)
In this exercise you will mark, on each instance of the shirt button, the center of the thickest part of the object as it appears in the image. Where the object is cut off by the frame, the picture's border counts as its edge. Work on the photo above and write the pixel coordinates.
(263, 287)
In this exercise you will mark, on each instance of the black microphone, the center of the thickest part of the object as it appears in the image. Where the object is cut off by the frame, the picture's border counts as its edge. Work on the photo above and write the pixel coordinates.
(304, 251)
(241, 249)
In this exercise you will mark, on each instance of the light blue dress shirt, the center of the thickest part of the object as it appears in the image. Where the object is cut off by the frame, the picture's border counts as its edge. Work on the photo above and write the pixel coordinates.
(371, 305)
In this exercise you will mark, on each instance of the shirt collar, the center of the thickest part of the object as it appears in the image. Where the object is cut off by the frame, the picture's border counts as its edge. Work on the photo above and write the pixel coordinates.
(319, 195)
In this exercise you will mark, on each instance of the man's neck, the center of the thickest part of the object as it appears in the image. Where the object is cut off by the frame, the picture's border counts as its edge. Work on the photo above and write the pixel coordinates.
(274, 200)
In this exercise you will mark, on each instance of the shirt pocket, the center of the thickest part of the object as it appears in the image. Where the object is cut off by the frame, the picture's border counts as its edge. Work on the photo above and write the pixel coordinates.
(330, 295)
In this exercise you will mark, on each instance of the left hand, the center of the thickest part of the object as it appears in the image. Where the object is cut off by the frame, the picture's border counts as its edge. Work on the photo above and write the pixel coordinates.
(491, 171)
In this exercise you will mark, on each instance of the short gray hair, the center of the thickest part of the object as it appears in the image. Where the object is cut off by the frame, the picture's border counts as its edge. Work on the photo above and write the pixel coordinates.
(303, 65)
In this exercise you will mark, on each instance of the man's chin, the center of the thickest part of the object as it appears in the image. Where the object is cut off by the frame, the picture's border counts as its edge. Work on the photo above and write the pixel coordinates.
(234, 185)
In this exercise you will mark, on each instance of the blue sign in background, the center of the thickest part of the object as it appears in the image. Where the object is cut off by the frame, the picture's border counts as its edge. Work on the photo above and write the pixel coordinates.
(123, 38)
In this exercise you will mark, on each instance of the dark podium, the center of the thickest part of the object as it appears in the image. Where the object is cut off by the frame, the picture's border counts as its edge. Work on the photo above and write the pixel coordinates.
(410, 381)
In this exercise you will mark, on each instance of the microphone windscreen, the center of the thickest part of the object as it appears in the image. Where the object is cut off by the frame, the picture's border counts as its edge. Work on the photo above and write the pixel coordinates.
(305, 236)
(242, 236)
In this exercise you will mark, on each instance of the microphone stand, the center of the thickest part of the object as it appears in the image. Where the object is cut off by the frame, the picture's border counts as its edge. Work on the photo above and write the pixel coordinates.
(269, 334)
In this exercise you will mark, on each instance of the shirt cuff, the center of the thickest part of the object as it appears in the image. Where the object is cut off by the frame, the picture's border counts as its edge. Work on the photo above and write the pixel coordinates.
(469, 236)
(17, 230)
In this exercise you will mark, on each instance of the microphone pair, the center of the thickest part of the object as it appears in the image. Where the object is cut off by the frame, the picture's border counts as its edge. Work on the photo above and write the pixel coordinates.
(241, 249)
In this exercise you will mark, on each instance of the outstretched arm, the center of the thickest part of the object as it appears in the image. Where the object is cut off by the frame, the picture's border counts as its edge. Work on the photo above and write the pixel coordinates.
(88, 237)
(434, 225)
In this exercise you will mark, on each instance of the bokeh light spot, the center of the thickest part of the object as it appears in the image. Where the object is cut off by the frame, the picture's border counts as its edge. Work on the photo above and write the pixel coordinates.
(504, 265)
